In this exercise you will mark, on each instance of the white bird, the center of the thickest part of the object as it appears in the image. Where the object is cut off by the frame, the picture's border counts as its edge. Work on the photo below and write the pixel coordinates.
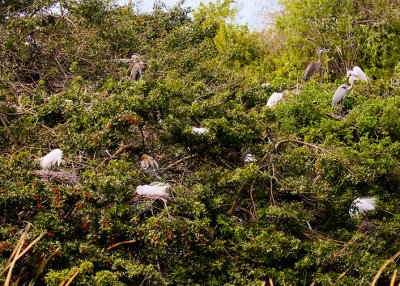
(274, 99)
(362, 205)
(342, 90)
(154, 189)
(54, 157)
(200, 130)
(249, 158)
(358, 73)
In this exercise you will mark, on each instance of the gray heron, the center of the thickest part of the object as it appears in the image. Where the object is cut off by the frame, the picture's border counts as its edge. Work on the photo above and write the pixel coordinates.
(342, 90)
(136, 71)
(313, 66)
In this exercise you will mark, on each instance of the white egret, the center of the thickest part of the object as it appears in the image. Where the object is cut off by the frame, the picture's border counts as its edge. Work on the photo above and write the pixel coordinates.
(52, 158)
(362, 205)
(358, 73)
(200, 130)
(274, 99)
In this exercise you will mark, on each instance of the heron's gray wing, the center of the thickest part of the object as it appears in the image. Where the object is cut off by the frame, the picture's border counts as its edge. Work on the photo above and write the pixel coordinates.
(339, 94)
(310, 70)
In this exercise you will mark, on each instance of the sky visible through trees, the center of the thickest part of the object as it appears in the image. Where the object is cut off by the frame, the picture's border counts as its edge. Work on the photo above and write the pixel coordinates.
(252, 12)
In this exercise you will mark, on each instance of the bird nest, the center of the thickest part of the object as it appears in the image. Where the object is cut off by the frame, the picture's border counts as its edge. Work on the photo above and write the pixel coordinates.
(59, 177)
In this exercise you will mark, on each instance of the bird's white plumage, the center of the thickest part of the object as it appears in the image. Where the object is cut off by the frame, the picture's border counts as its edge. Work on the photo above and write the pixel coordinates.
(54, 157)
(154, 189)
(274, 99)
(249, 158)
(359, 73)
(362, 205)
(200, 130)
(339, 94)
(353, 78)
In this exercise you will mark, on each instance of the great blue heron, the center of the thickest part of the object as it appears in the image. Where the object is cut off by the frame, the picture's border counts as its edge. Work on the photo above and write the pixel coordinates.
(362, 205)
(313, 66)
(358, 73)
(342, 90)
(137, 70)
(274, 99)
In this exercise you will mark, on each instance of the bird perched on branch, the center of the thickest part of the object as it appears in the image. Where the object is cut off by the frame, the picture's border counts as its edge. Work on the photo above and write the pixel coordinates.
(52, 158)
(362, 205)
(313, 66)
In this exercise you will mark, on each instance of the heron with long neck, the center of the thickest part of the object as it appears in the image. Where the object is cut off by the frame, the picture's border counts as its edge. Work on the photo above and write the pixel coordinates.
(343, 89)
(313, 66)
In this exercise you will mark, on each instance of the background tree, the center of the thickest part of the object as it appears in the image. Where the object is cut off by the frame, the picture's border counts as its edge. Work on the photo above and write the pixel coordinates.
(356, 33)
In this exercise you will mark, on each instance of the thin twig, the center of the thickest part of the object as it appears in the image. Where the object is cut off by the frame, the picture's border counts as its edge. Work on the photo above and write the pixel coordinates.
(235, 202)
(10, 136)
(272, 177)
(69, 281)
(394, 276)
(271, 283)
(391, 259)
(179, 161)
(121, 243)
(253, 208)
(278, 144)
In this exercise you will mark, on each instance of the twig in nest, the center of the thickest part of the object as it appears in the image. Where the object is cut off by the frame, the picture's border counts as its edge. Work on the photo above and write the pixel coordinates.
(164, 199)
(271, 155)
(152, 197)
